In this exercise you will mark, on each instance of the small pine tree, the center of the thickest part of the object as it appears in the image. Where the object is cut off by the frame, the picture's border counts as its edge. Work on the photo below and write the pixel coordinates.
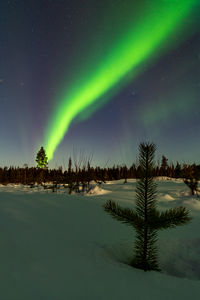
(42, 159)
(146, 219)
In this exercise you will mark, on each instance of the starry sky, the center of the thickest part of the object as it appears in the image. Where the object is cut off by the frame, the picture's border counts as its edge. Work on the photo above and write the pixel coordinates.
(137, 63)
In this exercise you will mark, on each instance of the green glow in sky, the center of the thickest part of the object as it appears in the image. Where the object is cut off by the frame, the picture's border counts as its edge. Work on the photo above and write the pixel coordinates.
(140, 43)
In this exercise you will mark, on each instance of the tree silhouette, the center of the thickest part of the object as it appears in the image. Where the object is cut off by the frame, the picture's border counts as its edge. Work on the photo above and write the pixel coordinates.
(42, 162)
(164, 166)
(146, 219)
(191, 177)
(41, 159)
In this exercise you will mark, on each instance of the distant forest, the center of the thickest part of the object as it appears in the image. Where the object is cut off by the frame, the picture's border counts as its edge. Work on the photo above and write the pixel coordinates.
(86, 173)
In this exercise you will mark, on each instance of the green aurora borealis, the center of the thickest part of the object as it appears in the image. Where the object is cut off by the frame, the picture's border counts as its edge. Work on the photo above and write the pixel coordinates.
(141, 42)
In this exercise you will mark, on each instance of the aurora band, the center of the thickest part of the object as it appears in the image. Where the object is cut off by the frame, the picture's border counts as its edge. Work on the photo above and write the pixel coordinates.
(138, 44)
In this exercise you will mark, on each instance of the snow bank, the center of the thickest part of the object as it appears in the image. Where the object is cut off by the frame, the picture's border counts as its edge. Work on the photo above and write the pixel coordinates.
(184, 193)
(11, 188)
(60, 246)
(165, 178)
(96, 190)
(165, 197)
(193, 203)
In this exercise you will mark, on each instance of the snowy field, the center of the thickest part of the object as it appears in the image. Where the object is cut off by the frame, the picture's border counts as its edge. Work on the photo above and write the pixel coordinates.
(56, 246)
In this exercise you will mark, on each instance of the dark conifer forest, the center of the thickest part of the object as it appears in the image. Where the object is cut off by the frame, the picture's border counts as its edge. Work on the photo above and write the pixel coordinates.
(87, 173)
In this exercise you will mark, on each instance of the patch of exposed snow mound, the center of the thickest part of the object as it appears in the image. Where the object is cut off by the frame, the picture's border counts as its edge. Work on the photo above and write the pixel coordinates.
(186, 193)
(165, 197)
(165, 178)
(193, 203)
(96, 190)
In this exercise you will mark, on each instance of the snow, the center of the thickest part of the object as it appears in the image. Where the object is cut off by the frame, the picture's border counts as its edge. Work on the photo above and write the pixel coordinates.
(166, 197)
(96, 190)
(192, 204)
(60, 246)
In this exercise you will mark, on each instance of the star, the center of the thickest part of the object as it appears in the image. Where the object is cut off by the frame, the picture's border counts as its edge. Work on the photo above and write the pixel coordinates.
(133, 93)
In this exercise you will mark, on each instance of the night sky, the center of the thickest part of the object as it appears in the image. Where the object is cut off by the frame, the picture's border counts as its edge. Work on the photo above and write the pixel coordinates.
(99, 76)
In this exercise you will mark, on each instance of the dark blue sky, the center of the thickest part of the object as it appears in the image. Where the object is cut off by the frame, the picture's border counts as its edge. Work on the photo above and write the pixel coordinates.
(42, 46)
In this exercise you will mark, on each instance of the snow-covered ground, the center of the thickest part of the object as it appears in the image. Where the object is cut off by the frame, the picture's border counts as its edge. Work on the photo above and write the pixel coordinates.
(55, 246)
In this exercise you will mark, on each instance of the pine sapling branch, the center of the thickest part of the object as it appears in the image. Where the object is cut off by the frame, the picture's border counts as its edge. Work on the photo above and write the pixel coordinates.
(124, 215)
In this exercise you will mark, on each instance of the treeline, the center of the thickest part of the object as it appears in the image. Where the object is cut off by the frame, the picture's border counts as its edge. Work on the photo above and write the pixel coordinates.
(86, 174)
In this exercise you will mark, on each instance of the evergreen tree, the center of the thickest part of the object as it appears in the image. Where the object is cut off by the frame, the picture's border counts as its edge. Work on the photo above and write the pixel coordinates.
(177, 170)
(164, 165)
(124, 173)
(41, 159)
(42, 162)
(70, 166)
(191, 177)
(146, 219)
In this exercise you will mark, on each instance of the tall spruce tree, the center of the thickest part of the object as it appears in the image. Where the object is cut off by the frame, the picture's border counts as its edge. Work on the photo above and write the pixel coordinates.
(42, 159)
(164, 166)
(146, 219)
